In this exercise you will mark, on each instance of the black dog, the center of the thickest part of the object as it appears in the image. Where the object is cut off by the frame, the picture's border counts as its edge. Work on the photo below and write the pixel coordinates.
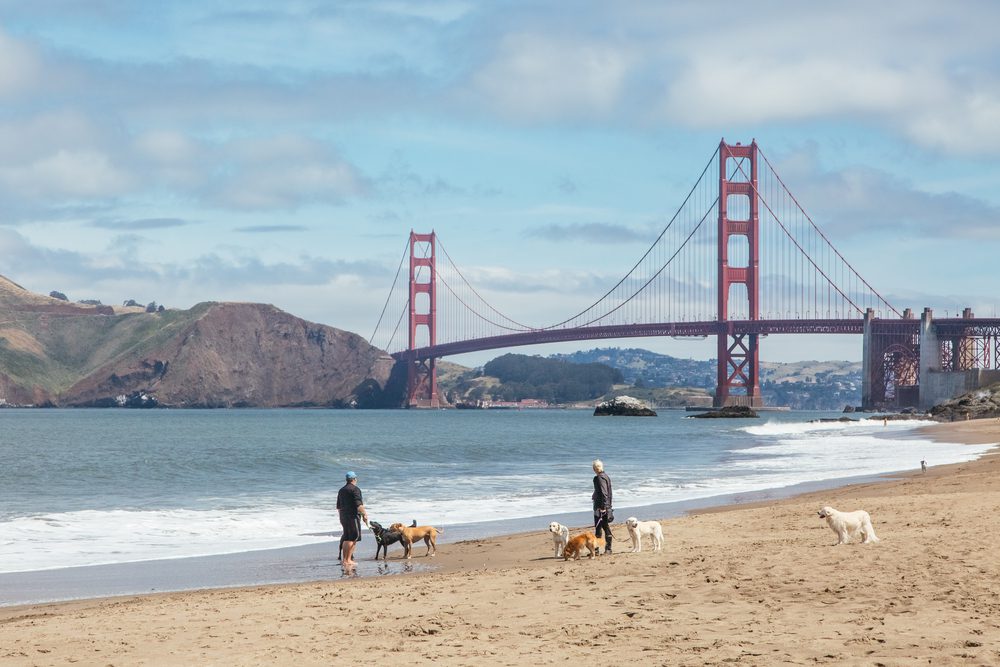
(383, 538)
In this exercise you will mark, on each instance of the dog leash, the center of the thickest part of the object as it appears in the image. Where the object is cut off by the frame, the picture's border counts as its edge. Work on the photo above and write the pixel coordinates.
(614, 538)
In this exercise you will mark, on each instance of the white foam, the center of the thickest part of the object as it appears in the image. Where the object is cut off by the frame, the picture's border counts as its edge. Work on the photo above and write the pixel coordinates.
(779, 428)
(792, 453)
(98, 537)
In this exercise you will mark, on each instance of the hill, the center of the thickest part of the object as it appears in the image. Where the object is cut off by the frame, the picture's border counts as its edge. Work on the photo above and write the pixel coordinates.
(803, 385)
(54, 352)
(514, 377)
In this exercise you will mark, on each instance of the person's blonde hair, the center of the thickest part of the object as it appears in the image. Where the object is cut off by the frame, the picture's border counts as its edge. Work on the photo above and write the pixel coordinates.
(598, 465)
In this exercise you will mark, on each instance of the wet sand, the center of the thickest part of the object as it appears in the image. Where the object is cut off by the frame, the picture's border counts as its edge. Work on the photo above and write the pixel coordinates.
(757, 584)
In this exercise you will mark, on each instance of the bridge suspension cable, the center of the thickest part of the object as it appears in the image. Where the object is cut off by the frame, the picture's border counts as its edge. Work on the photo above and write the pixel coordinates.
(513, 325)
(639, 263)
(676, 279)
(826, 240)
(402, 311)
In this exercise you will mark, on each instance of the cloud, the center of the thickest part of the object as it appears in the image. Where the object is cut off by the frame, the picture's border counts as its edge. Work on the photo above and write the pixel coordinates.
(592, 232)
(862, 200)
(282, 172)
(643, 64)
(67, 174)
(140, 224)
(775, 91)
(204, 275)
(51, 159)
(400, 180)
(535, 76)
(20, 66)
(270, 229)
(60, 155)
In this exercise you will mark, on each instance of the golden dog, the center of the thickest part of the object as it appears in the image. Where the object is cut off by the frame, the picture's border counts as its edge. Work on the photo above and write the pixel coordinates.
(413, 534)
(576, 546)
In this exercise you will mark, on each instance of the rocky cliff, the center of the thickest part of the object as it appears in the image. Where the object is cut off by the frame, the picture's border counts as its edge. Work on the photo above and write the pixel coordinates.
(979, 404)
(213, 355)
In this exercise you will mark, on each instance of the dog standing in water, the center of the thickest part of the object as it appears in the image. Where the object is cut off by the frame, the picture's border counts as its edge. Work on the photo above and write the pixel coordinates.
(413, 534)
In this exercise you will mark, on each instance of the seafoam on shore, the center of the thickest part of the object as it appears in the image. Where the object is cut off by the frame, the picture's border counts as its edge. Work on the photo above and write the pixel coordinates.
(455, 484)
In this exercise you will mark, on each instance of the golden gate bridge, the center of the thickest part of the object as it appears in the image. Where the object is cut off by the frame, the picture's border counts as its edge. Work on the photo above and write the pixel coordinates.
(740, 259)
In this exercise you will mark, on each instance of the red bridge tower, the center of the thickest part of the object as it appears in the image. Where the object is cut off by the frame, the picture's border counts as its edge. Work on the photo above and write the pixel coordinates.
(739, 360)
(421, 376)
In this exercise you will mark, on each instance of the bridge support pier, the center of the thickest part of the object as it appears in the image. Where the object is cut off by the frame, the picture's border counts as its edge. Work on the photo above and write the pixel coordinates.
(890, 363)
(738, 367)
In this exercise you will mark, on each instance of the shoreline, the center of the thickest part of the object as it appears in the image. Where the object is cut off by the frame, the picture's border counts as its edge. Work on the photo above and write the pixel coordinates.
(756, 583)
(309, 563)
(317, 562)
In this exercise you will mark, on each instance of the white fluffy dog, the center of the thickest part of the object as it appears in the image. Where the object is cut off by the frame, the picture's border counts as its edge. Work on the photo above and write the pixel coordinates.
(848, 524)
(636, 529)
(560, 537)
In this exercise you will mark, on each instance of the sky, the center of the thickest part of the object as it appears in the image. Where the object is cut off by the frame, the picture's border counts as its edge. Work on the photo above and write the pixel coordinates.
(281, 152)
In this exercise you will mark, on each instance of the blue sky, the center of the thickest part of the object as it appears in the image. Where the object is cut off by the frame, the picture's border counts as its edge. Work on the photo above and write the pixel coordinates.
(281, 152)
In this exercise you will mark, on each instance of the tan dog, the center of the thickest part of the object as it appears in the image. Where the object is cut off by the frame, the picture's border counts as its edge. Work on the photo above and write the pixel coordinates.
(413, 534)
(576, 546)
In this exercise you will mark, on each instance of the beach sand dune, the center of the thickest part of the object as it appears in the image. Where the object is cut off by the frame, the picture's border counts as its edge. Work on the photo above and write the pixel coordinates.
(759, 584)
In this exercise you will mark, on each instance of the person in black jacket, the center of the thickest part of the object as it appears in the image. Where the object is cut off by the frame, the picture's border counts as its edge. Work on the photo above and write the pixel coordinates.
(602, 504)
(351, 508)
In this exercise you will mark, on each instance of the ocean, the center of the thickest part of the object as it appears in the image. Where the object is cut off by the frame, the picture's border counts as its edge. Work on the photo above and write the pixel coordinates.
(106, 489)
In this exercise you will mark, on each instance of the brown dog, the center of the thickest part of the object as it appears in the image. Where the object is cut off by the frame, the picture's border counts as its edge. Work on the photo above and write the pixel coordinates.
(576, 546)
(413, 534)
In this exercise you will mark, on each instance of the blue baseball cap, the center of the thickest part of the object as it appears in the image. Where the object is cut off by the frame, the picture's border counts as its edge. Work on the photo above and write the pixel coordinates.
(351, 475)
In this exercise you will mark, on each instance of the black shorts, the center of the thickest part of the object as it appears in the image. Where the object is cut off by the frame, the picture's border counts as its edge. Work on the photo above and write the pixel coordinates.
(352, 528)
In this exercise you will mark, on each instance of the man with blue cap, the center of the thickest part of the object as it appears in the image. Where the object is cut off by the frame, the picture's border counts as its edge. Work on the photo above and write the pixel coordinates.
(352, 509)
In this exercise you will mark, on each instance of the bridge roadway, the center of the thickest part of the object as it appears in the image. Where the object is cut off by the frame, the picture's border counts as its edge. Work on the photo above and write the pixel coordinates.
(946, 327)
(675, 329)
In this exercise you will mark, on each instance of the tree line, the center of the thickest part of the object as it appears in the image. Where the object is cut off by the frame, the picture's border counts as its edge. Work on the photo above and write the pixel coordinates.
(550, 380)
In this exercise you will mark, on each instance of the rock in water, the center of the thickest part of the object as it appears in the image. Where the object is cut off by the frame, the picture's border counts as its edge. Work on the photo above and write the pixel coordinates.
(625, 406)
(731, 411)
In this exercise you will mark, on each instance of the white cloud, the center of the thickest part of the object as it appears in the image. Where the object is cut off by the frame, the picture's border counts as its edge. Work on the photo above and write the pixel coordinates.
(862, 200)
(72, 174)
(536, 76)
(20, 66)
(964, 123)
(714, 91)
(168, 147)
(283, 172)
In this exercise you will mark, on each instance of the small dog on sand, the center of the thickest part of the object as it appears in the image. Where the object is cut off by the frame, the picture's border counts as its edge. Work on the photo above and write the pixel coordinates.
(636, 529)
(560, 536)
(576, 546)
(848, 524)
(413, 534)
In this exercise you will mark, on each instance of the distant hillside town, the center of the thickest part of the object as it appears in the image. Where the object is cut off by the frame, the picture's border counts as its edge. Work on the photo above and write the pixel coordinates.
(659, 379)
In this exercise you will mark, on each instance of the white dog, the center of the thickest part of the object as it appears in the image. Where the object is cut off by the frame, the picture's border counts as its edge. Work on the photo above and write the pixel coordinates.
(848, 524)
(560, 537)
(636, 529)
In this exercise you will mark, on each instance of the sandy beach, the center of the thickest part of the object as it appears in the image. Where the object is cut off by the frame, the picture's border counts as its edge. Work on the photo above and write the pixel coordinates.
(758, 584)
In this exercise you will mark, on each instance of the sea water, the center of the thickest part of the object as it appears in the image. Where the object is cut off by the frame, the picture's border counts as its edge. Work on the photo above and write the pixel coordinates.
(90, 487)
